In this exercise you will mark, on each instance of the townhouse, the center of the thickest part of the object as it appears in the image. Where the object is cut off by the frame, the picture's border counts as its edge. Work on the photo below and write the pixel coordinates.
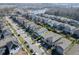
(13, 47)
(2, 50)
(51, 37)
(76, 33)
(69, 29)
(62, 19)
(63, 27)
(62, 45)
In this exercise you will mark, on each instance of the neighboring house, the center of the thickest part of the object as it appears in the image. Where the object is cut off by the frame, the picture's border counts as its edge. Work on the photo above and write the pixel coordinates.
(50, 22)
(2, 50)
(40, 19)
(76, 33)
(56, 24)
(51, 37)
(48, 16)
(62, 45)
(25, 24)
(39, 11)
(20, 20)
(60, 27)
(13, 47)
(62, 19)
(7, 32)
(69, 29)
(33, 17)
(46, 20)
(31, 25)
(74, 23)
(42, 31)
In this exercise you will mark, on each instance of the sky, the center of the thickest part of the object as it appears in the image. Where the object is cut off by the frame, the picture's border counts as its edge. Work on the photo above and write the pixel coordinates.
(35, 5)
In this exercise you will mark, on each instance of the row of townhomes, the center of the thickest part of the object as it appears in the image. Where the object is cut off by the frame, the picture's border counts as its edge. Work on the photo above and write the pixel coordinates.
(62, 26)
(8, 42)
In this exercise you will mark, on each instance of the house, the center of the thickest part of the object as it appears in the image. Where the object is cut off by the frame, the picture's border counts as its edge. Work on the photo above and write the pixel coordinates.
(9, 46)
(49, 22)
(39, 11)
(51, 37)
(25, 23)
(41, 31)
(69, 29)
(45, 20)
(74, 23)
(20, 19)
(7, 32)
(60, 27)
(31, 25)
(56, 24)
(13, 47)
(63, 19)
(49, 16)
(34, 26)
(33, 17)
(2, 50)
(76, 33)
(30, 16)
(40, 19)
(62, 45)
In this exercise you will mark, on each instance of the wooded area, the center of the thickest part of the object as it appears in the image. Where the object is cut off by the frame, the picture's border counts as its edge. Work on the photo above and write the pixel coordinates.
(66, 12)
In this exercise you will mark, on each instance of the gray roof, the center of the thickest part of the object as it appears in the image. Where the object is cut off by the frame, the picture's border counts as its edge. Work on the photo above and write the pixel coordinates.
(76, 31)
(2, 50)
(6, 40)
(63, 43)
(69, 28)
(12, 45)
(53, 35)
(41, 31)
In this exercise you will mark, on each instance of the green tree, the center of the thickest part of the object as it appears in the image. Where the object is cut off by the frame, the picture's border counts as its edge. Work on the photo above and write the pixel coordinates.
(2, 36)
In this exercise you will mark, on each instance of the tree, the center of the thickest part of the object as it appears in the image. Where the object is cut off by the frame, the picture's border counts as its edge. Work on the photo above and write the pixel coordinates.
(31, 51)
(12, 34)
(2, 36)
(0, 31)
